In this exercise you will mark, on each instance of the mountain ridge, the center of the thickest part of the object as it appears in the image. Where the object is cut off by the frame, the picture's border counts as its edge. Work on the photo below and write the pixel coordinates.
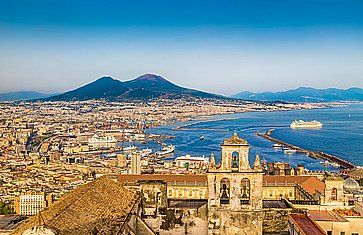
(305, 94)
(22, 95)
(146, 86)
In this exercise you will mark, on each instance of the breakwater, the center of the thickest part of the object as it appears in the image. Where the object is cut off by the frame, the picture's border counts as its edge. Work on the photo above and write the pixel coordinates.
(313, 154)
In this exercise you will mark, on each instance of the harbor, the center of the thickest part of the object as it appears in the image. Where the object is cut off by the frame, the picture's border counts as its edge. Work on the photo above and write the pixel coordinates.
(313, 154)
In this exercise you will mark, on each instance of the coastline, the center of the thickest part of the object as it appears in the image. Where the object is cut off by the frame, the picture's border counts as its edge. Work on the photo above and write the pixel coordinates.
(187, 141)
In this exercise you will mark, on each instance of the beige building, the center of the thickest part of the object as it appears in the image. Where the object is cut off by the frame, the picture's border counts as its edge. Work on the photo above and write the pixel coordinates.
(338, 222)
(333, 193)
(135, 164)
(31, 204)
(235, 187)
(121, 161)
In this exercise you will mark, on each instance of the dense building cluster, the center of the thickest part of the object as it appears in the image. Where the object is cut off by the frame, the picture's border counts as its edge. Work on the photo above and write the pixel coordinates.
(67, 168)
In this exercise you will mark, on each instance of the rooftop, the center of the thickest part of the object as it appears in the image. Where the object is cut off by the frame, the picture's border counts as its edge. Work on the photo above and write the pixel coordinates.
(325, 216)
(167, 178)
(309, 183)
(100, 206)
(235, 140)
(306, 225)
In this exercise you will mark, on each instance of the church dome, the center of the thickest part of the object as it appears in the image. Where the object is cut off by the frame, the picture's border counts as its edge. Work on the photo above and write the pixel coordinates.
(235, 140)
(39, 230)
(351, 184)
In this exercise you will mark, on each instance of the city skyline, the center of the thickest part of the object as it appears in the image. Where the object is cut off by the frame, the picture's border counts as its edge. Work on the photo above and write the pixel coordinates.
(55, 47)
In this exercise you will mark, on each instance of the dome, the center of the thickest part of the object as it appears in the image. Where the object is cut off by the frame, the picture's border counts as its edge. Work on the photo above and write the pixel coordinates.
(39, 230)
(351, 184)
(235, 140)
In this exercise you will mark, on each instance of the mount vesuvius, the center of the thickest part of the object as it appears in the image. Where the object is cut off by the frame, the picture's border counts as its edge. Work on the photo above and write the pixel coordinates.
(144, 87)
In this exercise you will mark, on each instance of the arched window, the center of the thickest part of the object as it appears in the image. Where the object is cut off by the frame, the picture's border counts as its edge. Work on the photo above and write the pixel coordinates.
(334, 194)
(235, 159)
(245, 191)
(225, 191)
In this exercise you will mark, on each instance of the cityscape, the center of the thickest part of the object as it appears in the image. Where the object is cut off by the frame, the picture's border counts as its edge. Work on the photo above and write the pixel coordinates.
(97, 142)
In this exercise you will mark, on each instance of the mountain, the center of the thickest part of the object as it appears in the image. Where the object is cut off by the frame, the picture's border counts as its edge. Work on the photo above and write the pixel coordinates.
(306, 94)
(22, 95)
(143, 87)
(104, 87)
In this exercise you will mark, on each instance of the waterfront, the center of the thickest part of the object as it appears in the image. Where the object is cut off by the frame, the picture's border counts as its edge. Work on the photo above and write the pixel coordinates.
(337, 123)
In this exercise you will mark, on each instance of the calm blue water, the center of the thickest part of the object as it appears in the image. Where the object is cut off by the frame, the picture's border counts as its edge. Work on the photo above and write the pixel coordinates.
(340, 135)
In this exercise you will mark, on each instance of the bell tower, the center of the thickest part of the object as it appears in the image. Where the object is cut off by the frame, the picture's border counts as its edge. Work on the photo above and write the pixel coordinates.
(234, 187)
(235, 154)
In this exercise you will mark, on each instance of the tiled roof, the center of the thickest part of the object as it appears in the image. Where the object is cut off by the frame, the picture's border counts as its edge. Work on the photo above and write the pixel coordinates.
(306, 225)
(309, 183)
(162, 177)
(325, 216)
(101, 206)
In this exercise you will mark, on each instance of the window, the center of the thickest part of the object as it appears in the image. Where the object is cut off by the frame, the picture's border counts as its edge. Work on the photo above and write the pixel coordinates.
(224, 191)
(245, 188)
(334, 194)
(355, 233)
(329, 232)
(235, 160)
(342, 233)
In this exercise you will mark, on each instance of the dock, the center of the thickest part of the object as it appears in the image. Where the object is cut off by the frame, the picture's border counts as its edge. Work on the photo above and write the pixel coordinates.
(313, 154)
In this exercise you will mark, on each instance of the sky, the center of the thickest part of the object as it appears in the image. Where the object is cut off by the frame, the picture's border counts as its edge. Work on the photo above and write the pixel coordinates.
(217, 46)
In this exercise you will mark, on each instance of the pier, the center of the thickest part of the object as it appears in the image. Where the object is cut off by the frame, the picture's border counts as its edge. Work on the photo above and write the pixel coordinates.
(313, 154)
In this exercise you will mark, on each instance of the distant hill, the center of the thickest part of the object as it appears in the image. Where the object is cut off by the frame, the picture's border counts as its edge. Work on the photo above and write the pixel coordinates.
(22, 95)
(143, 87)
(306, 94)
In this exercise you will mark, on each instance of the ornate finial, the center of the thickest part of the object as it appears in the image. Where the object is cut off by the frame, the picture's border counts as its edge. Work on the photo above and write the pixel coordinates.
(257, 164)
(212, 160)
(235, 140)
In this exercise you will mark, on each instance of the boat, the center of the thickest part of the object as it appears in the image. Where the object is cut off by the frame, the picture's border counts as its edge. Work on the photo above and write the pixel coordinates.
(277, 145)
(202, 137)
(96, 139)
(145, 152)
(303, 124)
(166, 150)
(289, 151)
(327, 163)
(129, 148)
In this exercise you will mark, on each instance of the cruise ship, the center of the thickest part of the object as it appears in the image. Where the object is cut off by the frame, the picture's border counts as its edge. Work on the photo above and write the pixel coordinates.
(96, 139)
(303, 124)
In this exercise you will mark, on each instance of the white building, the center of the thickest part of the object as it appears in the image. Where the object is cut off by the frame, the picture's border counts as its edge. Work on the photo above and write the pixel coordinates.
(191, 162)
(31, 204)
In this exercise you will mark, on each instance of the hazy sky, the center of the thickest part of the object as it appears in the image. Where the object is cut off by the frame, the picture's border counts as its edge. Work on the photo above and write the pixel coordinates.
(217, 46)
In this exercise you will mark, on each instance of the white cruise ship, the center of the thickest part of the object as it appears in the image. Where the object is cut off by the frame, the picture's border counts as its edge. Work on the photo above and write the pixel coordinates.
(102, 139)
(302, 124)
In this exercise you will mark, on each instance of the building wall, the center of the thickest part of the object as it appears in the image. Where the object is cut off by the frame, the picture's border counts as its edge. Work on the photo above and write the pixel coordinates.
(235, 179)
(225, 222)
(335, 227)
(30, 204)
(187, 192)
(276, 192)
(331, 196)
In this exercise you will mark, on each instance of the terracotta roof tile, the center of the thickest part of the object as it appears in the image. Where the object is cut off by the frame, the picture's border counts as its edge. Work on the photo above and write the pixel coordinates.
(102, 205)
(309, 183)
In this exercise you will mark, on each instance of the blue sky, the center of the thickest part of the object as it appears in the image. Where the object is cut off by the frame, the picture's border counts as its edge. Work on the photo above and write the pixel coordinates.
(217, 46)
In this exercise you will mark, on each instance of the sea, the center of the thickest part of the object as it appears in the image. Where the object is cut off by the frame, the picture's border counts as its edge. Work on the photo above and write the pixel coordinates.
(341, 135)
